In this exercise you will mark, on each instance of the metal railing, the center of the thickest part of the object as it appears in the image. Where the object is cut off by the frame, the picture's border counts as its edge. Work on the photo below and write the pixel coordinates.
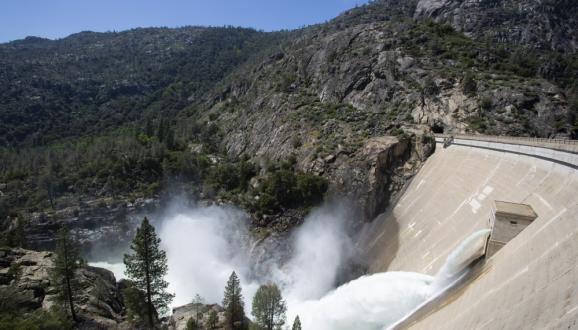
(556, 144)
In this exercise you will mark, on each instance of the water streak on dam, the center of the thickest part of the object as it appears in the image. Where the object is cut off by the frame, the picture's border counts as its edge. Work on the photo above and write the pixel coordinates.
(532, 281)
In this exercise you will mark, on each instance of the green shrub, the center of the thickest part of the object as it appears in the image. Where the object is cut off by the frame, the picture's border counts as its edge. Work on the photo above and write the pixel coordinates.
(135, 302)
(282, 185)
(430, 88)
(486, 103)
(469, 85)
(285, 189)
(192, 324)
(55, 319)
(478, 124)
(296, 142)
(311, 188)
(267, 204)
(152, 189)
(231, 176)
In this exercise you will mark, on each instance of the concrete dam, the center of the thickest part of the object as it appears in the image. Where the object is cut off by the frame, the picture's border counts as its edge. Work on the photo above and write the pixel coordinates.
(532, 281)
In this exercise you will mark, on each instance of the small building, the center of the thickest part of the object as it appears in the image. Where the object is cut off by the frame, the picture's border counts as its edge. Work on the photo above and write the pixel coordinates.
(507, 220)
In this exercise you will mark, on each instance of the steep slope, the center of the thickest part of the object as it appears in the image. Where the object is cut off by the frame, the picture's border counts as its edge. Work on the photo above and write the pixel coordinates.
(90, 83)
(233, 113)
(541, 24)
(333, 86)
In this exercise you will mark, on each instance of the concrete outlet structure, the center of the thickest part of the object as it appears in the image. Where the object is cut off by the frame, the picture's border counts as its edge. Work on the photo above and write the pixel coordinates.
(507, 220)
(532, 283)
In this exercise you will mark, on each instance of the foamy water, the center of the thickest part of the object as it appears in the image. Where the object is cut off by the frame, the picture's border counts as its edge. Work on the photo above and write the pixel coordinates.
(204, 245)
(379, 300)
(369, 303)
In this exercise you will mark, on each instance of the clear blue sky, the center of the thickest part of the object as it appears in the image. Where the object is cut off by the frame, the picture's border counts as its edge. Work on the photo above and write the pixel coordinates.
(59, 18)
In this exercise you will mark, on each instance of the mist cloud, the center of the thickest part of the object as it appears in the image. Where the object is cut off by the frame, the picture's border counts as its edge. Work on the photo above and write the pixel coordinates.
(205, 244)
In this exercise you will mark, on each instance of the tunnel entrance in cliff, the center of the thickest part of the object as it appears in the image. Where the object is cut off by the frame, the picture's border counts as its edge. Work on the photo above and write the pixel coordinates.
(438, 128)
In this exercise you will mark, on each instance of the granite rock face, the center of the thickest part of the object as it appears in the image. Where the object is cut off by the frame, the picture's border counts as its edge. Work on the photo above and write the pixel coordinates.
(200, 312)
(535, 24)
(97, 222)
(98, 304)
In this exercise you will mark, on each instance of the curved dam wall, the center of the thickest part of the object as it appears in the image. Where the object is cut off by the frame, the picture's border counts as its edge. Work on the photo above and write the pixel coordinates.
(532, 282)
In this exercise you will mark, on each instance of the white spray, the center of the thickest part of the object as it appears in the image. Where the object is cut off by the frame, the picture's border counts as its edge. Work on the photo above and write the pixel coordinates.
(320, 247)
(205, 244)
(378, 301)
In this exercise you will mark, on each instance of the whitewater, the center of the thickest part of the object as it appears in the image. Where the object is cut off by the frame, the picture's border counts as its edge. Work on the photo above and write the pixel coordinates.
(205, 244)
(380, 300)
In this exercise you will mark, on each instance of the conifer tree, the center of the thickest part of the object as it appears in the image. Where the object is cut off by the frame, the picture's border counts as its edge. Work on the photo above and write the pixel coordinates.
(296, 323)
(212, 320)
(147, 267)
(269, 307)
(67, 260)
(47, 181)
(233, 304)
(149, 130)
(198, 302)
(192, 324)
(16, 236)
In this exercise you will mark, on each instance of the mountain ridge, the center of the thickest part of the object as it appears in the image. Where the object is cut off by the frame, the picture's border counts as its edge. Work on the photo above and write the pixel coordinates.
(230, 113)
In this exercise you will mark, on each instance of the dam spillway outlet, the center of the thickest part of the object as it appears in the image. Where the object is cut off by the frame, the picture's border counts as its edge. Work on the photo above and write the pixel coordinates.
(507, 220)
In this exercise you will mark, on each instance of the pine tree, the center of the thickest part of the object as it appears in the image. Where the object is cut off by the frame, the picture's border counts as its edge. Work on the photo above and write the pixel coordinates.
(47, 181)
(16, 236)
(212, 320)
(233, 304)
(198, 302)
(146, 267)
(149, 130)
(296, 323)
(269, 307)
(67, 260)
(192, 324)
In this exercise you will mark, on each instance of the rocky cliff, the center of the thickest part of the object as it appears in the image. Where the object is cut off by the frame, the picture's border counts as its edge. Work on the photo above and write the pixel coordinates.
(198, 312)
(26, 285)
(102, 222)
(541, 24)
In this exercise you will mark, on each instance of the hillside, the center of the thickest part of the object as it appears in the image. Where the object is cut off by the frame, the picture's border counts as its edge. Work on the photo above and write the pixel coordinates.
(91, 83)
(236, 115)
(305, 159)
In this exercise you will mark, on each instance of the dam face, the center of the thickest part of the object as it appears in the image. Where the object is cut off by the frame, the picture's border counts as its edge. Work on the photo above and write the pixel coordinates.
(532, 282)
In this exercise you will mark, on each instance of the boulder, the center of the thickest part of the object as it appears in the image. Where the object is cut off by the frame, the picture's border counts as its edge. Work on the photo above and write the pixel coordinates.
(26, 282)
(182, 314)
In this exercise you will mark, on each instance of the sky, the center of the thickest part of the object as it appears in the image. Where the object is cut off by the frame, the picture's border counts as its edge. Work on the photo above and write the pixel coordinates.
(59, 18)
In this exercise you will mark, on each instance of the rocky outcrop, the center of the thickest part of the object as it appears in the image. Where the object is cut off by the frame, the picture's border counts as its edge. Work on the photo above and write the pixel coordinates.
(333, 89)
(100, 221)
(376, 173)
(198, 312)
(26, 276)
(534, 24)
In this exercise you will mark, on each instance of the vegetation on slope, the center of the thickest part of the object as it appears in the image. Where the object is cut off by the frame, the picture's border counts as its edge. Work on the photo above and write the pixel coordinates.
(126, 114)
